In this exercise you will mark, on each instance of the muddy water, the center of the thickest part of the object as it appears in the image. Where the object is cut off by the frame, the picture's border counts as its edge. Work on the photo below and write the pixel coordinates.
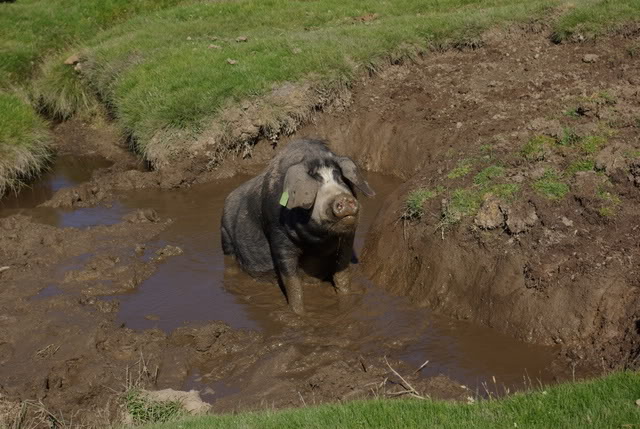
(200, 286)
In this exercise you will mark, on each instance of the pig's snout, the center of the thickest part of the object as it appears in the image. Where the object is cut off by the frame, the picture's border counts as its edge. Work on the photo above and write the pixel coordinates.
(344, 205)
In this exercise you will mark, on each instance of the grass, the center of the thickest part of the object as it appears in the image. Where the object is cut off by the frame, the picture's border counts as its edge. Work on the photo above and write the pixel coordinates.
(580, 165)
(414, 205)
(463, 168)
(550, 186)
(143, 410)
(592, 144)
(24, 142)
(608, 402)
(488, 174)
(534, 149)
(161, 69)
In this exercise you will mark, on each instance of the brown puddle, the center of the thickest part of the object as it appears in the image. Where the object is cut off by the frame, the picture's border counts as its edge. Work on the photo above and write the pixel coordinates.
(195, 287)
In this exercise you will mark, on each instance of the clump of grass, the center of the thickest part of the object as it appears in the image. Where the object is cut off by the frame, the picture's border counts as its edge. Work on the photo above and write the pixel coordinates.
(463, 168)
(488, 174)
(580, 165)
(60, 91)
(465, 202)
(572, 112)
(414, 205)
(611, 202)
(143, 410)
(534, 149)
(504, 191)
(569, 137)
(632, 154)
(24, 142)
(592, 144)
(550, 186)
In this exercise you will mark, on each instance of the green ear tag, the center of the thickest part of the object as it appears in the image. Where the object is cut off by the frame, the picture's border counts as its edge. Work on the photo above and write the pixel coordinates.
(284, 199)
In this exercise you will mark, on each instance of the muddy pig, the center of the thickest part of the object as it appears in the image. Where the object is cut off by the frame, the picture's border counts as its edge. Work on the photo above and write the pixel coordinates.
(303, 207)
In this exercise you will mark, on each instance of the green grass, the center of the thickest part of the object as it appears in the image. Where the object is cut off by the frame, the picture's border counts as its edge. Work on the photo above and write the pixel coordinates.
(607, 402)
(31, 29)
(550, 186)
(462, 169)
(488, 174)
(24, 142)
(143, 410)
(580, 165)
(592, 144)
(533, 150)
(149, 62)
(414, 205)
(569, 137)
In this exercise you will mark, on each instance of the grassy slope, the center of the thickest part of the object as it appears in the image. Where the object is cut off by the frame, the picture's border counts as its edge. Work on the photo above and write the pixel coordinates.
(151, 64)
(605, 403)
(159, 73)
(30, 30)
(24, 143)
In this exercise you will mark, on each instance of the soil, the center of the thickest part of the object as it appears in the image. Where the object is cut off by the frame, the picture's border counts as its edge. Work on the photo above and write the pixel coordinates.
(115, 276)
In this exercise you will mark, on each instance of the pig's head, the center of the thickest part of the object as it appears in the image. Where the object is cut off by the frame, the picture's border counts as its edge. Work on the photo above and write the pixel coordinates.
(325, 189)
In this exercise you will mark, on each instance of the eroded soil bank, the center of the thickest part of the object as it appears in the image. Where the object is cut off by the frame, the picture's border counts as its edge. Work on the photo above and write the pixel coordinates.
(524, 157)
(122, 276)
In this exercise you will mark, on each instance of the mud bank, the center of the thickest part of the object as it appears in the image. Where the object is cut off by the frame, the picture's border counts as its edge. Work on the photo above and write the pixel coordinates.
(545, 268)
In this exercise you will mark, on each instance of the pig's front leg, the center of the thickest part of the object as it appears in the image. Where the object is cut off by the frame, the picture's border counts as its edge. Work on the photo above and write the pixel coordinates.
(286, 263)
(342, 276)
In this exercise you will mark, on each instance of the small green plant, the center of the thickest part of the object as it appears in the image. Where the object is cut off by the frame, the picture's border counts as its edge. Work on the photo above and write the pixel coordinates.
(605, 97)
(533, 150)
(488, 174)
(414, 206)
(632, 154)
(569, 137)
(572, 112)
(465, 202)
(610, 201)
(592, 144)
(504, 191)
(463, 168)
(580, 165)
(550, 186)
(143, 410)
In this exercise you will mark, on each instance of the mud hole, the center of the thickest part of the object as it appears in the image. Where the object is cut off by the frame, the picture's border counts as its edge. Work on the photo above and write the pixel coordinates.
(108, 269)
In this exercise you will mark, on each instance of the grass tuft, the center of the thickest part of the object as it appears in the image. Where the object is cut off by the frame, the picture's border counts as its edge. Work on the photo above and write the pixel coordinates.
(143, 410)
(414, 205)
(534, 149)
(580, 165)
(592, 144)
(24, 142)
(488, 174)
(569, 137)
(463, 168)
(550, 186)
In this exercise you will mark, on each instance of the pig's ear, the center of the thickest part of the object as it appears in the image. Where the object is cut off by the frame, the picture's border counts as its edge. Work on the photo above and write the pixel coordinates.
(352, 174)
(299, 188)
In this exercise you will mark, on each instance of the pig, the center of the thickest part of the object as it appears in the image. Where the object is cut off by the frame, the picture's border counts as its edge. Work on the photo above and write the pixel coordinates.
(302, 210)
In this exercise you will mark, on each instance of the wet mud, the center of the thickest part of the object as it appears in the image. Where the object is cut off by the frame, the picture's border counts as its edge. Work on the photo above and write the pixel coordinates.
(110, 270)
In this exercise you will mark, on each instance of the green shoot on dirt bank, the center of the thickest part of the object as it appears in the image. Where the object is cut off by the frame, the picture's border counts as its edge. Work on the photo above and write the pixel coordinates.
(609, 402)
